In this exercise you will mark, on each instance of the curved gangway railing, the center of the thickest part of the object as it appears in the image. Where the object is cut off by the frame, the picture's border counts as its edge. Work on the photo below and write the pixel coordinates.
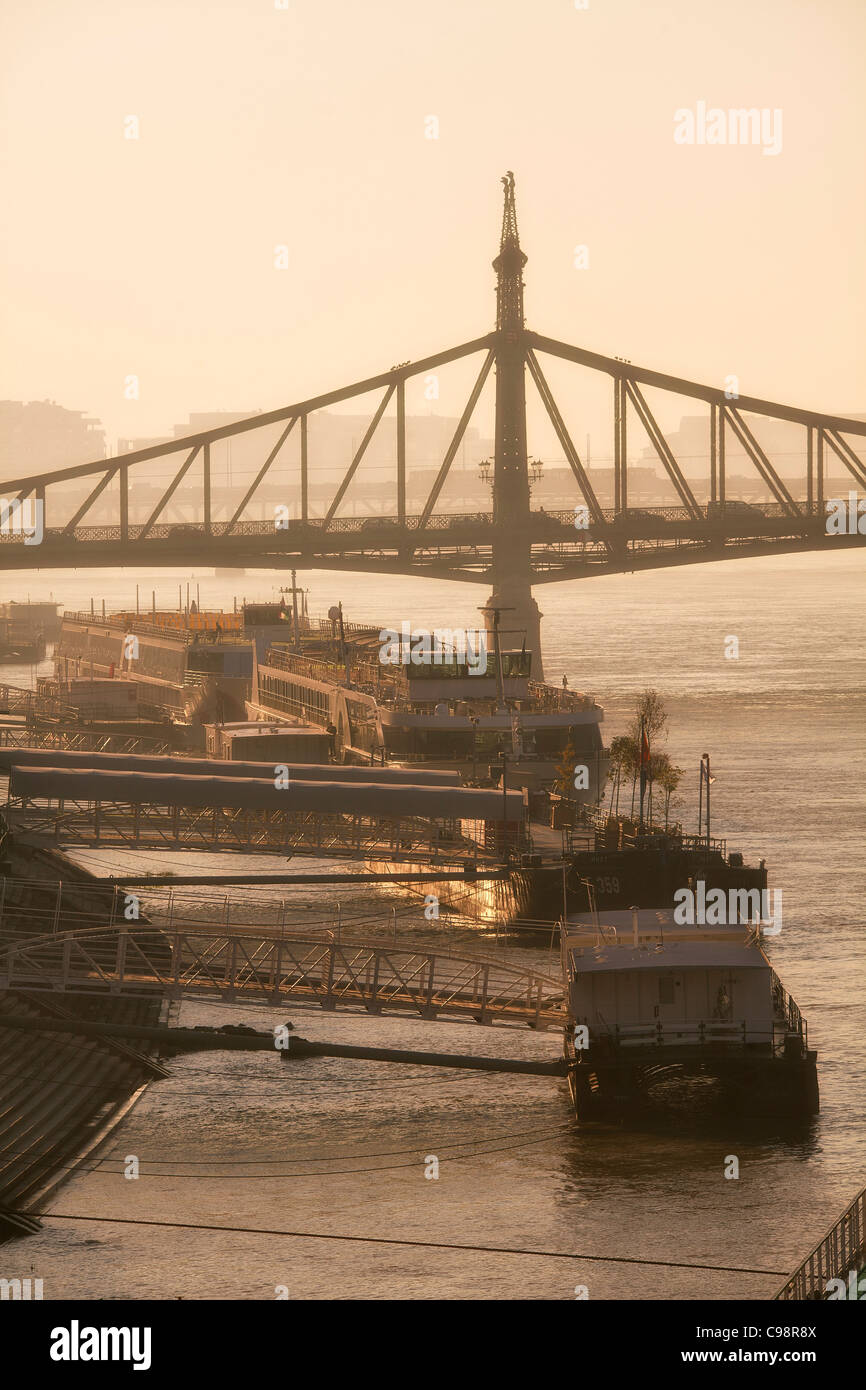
(267, 967)
(839, 1256)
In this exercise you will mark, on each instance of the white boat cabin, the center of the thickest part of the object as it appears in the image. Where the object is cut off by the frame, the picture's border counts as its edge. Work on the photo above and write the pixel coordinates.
(670, 991)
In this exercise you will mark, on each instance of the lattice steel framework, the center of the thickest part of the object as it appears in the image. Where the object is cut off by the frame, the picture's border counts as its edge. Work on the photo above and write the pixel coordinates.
(264, 967)
(509, 544)
(147, 825)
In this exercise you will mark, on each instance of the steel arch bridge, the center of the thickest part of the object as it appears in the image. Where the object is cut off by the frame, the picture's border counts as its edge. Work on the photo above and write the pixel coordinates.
(508, 545)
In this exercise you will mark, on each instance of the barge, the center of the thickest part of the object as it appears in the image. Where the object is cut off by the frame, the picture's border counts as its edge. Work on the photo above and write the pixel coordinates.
(666, 1017)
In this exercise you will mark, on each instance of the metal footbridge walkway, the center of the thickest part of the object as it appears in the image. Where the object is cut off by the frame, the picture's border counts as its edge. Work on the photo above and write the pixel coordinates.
(265, 967)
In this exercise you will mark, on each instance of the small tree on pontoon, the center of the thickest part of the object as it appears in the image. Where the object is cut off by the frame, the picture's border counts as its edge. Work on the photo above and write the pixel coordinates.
(668, 776)
(622, 762)
(650, 716)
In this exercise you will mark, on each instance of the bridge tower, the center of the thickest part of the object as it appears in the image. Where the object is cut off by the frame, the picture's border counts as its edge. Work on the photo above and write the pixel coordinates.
(512, 546)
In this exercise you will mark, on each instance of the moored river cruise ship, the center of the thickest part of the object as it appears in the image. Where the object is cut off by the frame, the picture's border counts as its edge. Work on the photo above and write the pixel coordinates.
(442, 711)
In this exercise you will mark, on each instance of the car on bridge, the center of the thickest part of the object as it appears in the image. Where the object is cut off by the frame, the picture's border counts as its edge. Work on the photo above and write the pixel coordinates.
(546, 525)
(184, 530)
(394, 538)
(468, 522)
(640, 522)
(737, 518)
(717, 511)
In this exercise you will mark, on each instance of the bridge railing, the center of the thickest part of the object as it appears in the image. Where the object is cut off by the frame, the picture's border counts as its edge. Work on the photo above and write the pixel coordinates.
(556, 524)
(840, 1254)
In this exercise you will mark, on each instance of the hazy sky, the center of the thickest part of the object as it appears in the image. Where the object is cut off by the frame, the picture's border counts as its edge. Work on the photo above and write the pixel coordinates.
(305, 126)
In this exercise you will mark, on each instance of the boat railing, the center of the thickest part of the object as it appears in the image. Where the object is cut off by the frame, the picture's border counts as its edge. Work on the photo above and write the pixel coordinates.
(738, 1032)
(650, 836)
(735, 1032)
(710, 846)
(139, 624)
(632, 835)
(332, 669)
(787, 1010)
(550, 699)
(840, 1254)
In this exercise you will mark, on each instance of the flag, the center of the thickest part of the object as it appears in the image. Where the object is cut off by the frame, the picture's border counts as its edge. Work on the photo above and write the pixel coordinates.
(705, 773)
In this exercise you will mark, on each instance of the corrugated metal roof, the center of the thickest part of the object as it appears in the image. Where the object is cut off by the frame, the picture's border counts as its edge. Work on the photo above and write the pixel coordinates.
(257, 793)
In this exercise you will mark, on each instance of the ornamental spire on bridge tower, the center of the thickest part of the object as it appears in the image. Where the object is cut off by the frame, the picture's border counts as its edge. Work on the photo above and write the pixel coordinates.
(509, 265)
(512, 547)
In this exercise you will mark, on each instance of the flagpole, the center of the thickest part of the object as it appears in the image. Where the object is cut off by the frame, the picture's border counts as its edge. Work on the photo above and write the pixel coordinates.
(643, 766)
(295, 623)
(701, 799)
(707, 758)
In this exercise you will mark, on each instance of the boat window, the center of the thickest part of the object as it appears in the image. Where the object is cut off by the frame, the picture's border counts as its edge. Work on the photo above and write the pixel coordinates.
(516, 665)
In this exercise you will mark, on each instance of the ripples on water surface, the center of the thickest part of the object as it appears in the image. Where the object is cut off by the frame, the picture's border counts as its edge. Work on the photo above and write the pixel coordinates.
(785, 728)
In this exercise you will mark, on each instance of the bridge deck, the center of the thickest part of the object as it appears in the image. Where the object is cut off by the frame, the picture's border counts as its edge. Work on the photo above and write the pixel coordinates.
(459, 546)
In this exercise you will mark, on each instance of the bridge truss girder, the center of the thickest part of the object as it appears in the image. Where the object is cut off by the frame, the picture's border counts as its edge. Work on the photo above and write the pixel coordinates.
(429, 543)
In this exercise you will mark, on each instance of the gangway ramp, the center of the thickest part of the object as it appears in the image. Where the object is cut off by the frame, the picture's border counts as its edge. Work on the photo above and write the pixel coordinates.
(85, 806)
(195, 960)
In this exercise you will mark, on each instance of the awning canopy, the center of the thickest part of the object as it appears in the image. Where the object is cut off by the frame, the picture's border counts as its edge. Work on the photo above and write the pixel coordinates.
(137, 762)
(261, 793)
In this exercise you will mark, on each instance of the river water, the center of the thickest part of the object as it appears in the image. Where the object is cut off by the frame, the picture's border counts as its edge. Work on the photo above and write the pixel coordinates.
(341, 1147)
